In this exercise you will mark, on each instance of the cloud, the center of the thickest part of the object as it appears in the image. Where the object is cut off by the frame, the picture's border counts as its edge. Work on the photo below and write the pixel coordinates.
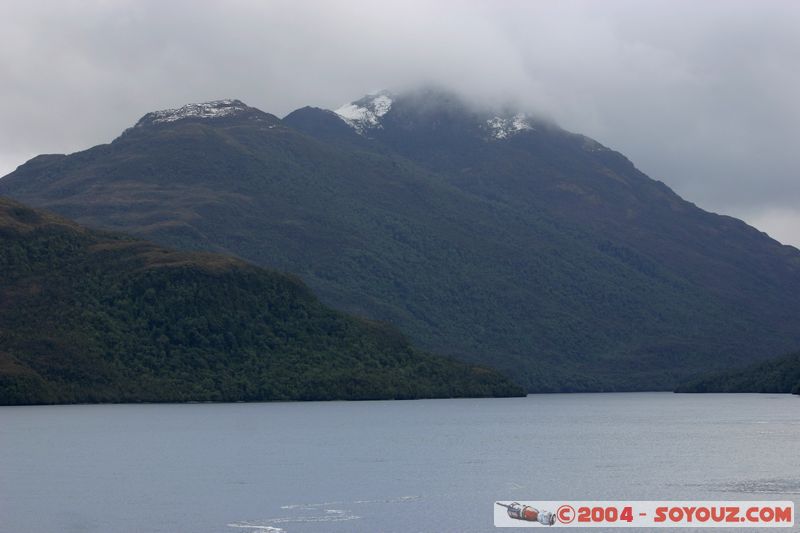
(701, 95)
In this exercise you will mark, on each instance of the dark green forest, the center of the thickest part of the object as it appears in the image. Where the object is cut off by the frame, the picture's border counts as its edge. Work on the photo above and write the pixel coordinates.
(96, 317)
(781, 375)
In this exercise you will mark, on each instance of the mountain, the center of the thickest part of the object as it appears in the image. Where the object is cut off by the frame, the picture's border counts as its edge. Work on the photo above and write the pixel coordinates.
(781, 375)
(484, 234)
(87, 316)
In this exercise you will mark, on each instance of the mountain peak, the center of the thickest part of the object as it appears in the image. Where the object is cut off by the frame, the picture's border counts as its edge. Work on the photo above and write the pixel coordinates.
(218, 112)
(202, 110)
(365, 114)
(437, 107)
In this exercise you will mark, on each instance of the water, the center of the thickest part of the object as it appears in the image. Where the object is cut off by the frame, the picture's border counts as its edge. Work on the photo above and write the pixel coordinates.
(428, 466)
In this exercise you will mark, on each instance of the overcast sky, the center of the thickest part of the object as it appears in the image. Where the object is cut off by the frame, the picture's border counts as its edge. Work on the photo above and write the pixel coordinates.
(704, 96)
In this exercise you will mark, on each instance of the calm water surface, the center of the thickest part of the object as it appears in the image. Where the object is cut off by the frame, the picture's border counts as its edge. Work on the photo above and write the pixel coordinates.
(428, 466)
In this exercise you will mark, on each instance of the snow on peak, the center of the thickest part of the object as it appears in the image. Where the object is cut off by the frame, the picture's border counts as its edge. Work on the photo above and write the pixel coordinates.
(590, 145)
(502, 127)
(366, 113)
(214, 109)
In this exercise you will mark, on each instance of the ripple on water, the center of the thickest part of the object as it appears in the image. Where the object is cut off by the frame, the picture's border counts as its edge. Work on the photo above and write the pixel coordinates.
(756, 486)
(314, 512)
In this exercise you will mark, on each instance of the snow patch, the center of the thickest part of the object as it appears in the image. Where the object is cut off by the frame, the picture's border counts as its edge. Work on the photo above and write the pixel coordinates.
(503, 127)
(365, 114)
(590, 145)
(205, 110)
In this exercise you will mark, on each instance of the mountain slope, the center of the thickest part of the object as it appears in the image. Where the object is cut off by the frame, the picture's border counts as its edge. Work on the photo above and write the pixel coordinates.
(94, 317)
(525, 163)
(492, 237)
(781, 375)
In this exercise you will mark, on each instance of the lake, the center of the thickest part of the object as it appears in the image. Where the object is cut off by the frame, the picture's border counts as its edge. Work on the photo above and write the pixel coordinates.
(395, 466)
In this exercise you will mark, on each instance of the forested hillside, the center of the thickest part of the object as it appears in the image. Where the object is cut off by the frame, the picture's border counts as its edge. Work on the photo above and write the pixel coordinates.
(776, 375)
(97, 317)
